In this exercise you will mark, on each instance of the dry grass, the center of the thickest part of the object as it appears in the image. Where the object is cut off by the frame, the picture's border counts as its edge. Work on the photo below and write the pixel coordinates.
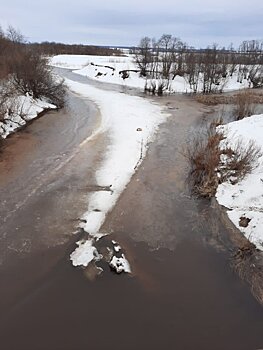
(211, 99)
(244, 105)
(217, 99)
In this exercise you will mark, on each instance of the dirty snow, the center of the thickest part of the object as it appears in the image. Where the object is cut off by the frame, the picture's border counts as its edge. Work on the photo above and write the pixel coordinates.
(22, 109)
(245, 199)
(116, 246)
(107, 69)
(120, 264)
(121, 116)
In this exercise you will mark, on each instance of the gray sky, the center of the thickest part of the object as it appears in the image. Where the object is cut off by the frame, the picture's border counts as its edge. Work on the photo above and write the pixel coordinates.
(124, 22)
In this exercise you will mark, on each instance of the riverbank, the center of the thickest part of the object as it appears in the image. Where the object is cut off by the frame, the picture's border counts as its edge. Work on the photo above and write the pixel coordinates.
(20, 111)
(244, 197)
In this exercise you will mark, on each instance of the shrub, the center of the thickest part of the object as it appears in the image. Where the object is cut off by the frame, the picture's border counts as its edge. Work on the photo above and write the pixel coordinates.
(240, 161)
(211, 164)
(203, 154)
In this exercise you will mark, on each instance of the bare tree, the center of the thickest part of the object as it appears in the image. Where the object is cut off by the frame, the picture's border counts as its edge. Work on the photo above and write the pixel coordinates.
(32, 75)
(14, 35)
(192, 70)
(205, 70)
(251, 61)
(143, 55)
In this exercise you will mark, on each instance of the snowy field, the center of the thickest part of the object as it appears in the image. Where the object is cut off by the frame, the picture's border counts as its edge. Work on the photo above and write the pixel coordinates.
(130, 122)
(108, 69)
(20, 110)
(245, 199)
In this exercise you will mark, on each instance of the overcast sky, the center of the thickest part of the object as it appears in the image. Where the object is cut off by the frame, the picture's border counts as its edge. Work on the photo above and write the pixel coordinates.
(124, 22)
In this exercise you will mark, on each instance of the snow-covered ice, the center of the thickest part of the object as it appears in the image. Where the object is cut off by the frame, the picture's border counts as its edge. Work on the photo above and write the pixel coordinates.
(245, 199)
(121, 118)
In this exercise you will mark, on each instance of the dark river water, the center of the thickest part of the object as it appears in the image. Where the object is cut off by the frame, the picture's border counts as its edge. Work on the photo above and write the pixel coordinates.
(182, 294)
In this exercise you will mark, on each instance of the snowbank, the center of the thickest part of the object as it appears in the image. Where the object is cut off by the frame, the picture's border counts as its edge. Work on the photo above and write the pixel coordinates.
(245, 199)
(130, 123)
(108, 69)
(20, 110)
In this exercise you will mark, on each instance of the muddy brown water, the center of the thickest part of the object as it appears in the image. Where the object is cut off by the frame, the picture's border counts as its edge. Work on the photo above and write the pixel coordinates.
(182, 294)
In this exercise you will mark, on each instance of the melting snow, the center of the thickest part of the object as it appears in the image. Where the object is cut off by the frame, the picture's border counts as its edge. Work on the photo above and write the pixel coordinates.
(121, 116)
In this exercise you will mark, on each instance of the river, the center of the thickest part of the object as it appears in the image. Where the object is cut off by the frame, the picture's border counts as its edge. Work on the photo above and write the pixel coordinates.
(183, 293)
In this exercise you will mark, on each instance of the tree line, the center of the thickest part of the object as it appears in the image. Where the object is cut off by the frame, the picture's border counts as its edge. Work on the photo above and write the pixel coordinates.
(53, 48)
(206, 70)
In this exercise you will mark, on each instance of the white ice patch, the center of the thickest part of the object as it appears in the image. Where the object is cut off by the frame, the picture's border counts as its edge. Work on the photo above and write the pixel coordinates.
(85, 253)
(246, 197)
(120, 264)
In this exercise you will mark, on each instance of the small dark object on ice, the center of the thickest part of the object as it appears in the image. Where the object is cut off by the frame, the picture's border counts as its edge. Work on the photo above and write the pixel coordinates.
(243, 221)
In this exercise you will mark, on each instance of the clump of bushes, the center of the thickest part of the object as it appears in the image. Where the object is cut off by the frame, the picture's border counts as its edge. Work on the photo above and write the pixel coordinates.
(239, 161)
(32, 75)
(203, 154)
(26, 70)
(211, 164)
